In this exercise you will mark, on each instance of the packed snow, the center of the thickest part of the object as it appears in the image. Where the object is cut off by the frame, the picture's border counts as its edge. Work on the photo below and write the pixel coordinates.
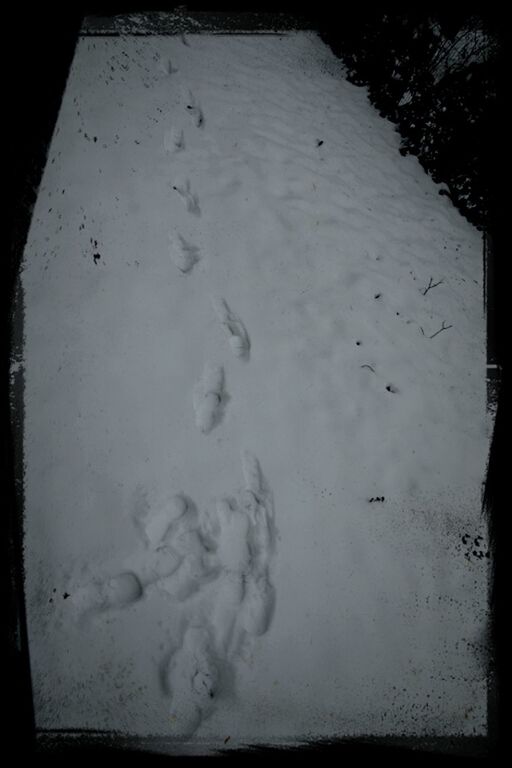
(255, 424)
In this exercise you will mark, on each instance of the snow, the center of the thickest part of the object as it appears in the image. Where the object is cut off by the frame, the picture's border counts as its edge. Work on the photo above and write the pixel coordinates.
(174, 140)
(235, 329)
(267, 546)
(209, 398)
(183, 254)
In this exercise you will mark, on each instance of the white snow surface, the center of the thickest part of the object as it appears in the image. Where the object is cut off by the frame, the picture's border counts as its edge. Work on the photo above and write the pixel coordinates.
(310, 561)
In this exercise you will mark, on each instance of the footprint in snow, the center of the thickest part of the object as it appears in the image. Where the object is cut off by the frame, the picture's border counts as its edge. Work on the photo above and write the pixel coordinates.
(195, 111)
(239, 607)
(165, 66)
(235, 329)
(193, 681)
(113, 593)
(184, 255)
(176, 560)
(209, 398)
(191, 200)
(227, 550)
(174, 140)
(242, 532)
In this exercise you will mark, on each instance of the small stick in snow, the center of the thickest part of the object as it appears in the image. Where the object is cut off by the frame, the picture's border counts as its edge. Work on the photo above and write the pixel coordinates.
(368, 366)
(431, 285)
(443, 328)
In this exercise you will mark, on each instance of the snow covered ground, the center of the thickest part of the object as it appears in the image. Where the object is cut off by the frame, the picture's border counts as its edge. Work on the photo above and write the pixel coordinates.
(255, 424)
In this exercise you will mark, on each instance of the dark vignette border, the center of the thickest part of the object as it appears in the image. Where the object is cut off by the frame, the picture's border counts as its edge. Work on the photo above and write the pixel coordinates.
(43, 46)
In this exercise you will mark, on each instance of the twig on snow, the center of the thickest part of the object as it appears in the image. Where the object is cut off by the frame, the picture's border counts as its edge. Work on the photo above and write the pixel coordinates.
(443, 328)
(431, 285)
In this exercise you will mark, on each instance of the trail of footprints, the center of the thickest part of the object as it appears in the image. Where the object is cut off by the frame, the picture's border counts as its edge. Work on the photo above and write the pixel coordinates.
(223, 552)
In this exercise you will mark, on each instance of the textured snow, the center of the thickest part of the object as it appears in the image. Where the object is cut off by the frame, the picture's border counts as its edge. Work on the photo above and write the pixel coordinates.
(267, 547)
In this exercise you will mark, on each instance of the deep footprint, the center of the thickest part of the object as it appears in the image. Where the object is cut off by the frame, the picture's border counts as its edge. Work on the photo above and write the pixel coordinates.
(195, 111)
(175, 535)
(157, 526)
(257, 608)
(233, 326)
(209, 398)
(196, 568)
(193, 681)
(244, 595)
(117, 592)
(184, 255)
(231, 546)
(174, 140)
(165, 66)
(191, 200)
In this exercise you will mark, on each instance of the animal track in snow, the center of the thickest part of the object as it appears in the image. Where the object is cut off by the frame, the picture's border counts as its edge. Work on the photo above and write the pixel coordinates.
(174, 140)
(191, 200)
(238, 607)
(156, 527)
(177, 561)
(114, 593)
(184, 255)
(258, 605)
(221, 560)
(165, 66)
(195, 111)
(192, 680)
(243, 532)
(209, 398)
(235, 329)
(252, 475)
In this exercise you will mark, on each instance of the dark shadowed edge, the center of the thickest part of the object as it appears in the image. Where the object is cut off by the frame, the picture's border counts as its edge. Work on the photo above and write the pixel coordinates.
(50, 37)
(35, 83)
